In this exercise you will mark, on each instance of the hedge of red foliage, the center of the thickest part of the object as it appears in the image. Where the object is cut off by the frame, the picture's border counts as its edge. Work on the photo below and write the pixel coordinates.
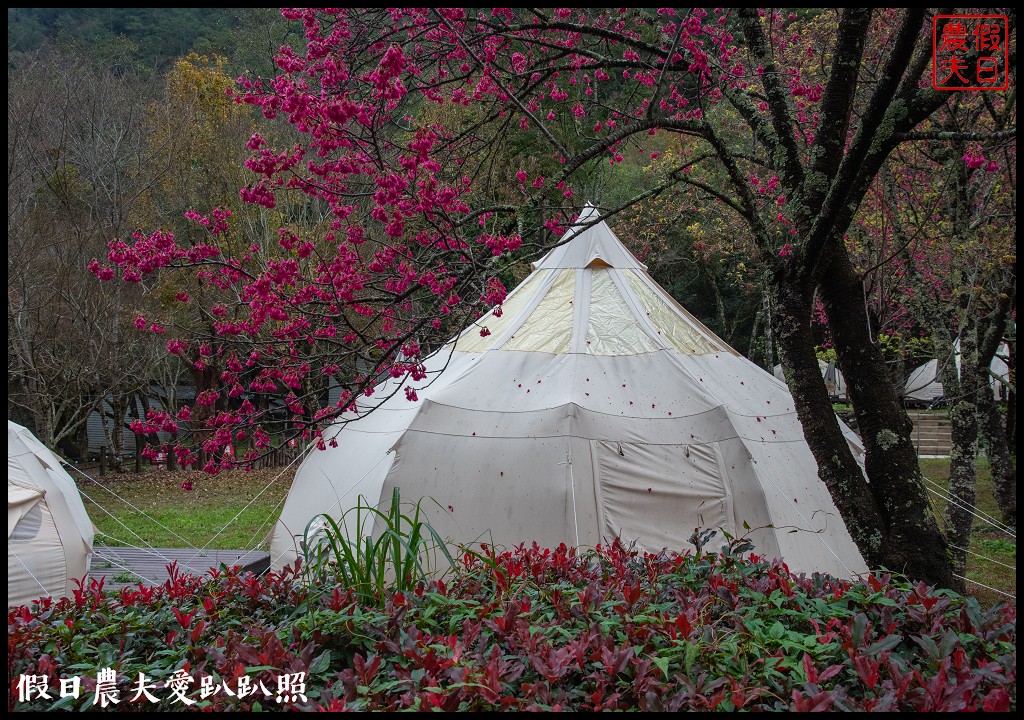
(529, 629)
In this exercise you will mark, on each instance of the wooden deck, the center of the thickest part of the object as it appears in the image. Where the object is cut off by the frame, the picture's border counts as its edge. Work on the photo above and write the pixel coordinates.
(149, 565)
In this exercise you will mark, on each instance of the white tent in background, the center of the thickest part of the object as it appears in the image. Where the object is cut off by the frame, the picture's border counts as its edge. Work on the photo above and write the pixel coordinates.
(834, 381)
(594, 407)
(49, 534)
(925, 386)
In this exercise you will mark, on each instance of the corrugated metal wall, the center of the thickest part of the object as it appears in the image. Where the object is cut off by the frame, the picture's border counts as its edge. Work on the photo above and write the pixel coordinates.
(98, 438)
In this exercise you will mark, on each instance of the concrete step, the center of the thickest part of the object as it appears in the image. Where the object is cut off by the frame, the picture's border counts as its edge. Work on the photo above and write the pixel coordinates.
(930, 418)
(931, 434)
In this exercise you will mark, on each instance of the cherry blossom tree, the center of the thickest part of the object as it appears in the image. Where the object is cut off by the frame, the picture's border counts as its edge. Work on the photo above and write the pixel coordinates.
(441, 145)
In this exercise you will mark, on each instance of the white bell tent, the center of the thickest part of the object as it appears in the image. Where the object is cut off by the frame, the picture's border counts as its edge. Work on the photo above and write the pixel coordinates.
(49, 534)
(593, 407)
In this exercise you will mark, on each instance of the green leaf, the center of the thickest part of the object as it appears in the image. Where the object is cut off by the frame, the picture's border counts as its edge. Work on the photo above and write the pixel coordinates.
(690, 655)
(321, 663)
(948, 642)
(662, 662)
(258, 669)
(974, 613)
(928, 645)
(886, 643)
(63, 703)
(860, 626)
(882, 600)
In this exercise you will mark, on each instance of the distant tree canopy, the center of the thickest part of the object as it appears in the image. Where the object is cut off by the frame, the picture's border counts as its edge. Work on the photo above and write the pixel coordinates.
(151, 37)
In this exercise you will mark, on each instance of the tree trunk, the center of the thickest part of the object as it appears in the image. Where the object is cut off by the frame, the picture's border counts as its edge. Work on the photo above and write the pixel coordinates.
(204, 379)
(1004, 476)
(140, 440)
(752, 347)
(723, 322)
(769, 340)
(47, 427)
(82, 442)
(118, 409)
(1011, 396)
(837, 467)
(961, 389)
(906, 537)
(991, 331)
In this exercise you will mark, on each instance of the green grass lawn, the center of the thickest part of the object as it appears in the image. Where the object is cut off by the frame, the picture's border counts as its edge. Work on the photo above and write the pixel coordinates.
(152, 509)
(993, 550)
(155, 507)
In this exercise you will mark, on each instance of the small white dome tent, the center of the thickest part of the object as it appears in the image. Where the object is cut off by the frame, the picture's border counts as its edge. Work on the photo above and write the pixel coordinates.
(49, 534)
(596, 407)
(834, 381)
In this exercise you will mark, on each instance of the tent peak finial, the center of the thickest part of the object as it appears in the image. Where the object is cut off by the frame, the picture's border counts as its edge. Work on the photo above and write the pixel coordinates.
(587, 239)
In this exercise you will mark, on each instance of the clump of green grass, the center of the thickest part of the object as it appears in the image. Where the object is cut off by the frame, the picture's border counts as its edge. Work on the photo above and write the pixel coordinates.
(404, 551)
(999, 545)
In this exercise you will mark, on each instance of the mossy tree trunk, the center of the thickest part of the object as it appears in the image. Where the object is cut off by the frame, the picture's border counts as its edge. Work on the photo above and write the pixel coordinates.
(909, 539)
(992, 424)
(837, 466)
(960, 387)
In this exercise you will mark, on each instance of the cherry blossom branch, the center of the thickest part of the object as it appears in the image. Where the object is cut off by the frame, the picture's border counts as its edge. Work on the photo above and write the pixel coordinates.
(512, 95)
(778, 99)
